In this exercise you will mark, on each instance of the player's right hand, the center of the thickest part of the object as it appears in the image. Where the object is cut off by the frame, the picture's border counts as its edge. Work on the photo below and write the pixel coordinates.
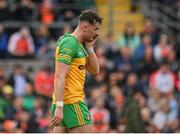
(58, 116)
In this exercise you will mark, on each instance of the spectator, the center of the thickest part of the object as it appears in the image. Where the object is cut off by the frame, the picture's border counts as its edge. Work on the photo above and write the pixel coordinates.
(101, 57)
(129, 38)
(4, 10)
(154, 101)
(24, 11)
(178, 81)
(177, 49)
(173, 108)
(67, 14)
(121, 77)
(9, 126)
(15, 110)
(2, 77)
(40, 108)
(100, 116)
(173, 63)
(28, 98)
(139, 52)
(163, 80)
(173, 127)
(98, 79)
(113, 79)
(131, 84)
(160, 118)
(2, 73)
(46, 12)
(121, 125)
(94, 94)
(124, 60)
(42, 40)
(162, 49)
(133, 116)
(3, 41)
(44, 80)
(150, 29)
(18, 80)
(147, 65)
(115, 103)
(5, 101)
(109, 45)
(146, 117)
(21, 44)
(23, 119)
(67, 29)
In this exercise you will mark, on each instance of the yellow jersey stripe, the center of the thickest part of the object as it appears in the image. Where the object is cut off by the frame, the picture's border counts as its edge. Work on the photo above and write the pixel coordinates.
(79, 59)
(81, 115)
(64, 56)
(77, 113)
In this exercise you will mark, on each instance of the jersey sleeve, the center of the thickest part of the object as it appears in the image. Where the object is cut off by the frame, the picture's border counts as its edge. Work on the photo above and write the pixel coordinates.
(66, 51)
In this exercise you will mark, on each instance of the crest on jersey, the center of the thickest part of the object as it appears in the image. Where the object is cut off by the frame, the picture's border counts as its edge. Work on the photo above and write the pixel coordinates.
(88, 117)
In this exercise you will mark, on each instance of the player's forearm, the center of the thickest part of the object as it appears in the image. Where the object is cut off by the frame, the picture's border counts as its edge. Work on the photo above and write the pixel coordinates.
(92, 65)
(59, 83)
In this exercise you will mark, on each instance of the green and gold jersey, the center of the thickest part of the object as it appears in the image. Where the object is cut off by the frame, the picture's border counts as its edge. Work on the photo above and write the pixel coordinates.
(71, 52)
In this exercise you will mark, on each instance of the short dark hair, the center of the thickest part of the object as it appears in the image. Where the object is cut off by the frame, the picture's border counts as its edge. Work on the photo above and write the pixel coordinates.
(90, 16)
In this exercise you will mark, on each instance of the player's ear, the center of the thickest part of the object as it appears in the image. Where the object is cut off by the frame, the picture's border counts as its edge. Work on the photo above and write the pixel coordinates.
(84, 27)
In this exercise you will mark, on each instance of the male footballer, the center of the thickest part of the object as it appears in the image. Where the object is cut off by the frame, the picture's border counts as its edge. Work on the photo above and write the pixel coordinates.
(75, 55)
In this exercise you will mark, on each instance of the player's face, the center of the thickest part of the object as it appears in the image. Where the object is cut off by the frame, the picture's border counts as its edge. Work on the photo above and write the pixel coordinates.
(92, 32)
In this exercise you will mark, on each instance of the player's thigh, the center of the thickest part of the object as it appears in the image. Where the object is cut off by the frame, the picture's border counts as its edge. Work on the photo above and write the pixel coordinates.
(60, 129)
(81, 129)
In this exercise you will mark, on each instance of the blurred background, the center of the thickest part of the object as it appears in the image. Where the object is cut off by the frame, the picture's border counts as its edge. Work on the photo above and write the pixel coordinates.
(138, 88)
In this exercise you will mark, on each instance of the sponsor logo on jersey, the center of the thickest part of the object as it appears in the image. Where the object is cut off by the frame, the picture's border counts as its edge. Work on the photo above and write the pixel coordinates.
(81, 67)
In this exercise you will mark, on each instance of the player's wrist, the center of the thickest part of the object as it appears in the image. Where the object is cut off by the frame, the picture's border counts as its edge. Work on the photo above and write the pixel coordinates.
(60, 104)
(90, 50)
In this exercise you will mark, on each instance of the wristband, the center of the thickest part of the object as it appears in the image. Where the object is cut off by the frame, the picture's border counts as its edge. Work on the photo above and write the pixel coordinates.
(90, 50)
(59, 103)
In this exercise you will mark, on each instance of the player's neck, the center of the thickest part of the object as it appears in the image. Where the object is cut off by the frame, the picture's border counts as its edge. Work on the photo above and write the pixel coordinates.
(78, 35)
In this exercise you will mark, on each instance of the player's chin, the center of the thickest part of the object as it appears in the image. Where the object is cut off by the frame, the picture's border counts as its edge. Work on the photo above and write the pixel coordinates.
(90, 40)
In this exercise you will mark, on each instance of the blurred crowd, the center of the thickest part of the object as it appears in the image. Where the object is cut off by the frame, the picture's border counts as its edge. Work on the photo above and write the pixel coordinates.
(137, 90)
(45, 11)
(33, 41)
(24, 44)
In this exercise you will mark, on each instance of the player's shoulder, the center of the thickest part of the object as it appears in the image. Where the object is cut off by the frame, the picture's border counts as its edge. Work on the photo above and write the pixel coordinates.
(67, 39)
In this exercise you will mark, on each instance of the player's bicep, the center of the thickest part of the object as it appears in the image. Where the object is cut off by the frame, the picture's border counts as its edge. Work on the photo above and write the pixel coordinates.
(61, 69)
(65, 52)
